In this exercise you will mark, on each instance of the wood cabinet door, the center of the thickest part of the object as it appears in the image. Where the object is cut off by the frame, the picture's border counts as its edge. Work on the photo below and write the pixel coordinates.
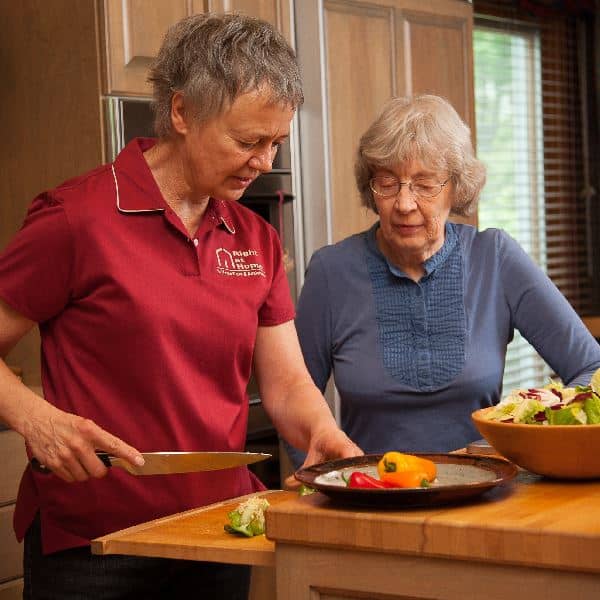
(372, 50)
(134, 30)
(11, 551)
(14, 460)
(276, 12)
(11, 590)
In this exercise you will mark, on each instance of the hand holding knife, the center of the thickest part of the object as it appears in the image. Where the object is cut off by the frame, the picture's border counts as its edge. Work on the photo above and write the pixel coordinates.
(67, 442)
(165, 463)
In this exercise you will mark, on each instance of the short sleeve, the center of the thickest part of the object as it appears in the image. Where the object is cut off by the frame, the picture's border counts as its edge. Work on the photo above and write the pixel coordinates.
(277, 307)
(36, 266)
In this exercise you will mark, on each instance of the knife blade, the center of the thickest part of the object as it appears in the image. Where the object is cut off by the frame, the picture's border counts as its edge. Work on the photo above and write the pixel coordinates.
(166, 463)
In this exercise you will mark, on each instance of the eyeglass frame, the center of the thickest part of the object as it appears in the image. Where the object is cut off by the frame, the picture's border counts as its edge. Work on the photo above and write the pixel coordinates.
(409, 185)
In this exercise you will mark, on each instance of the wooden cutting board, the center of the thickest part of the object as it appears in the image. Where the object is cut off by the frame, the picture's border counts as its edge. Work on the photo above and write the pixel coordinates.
(196, 534)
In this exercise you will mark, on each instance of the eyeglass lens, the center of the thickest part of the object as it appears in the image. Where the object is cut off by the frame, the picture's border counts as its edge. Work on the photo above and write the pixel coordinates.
(389, 186)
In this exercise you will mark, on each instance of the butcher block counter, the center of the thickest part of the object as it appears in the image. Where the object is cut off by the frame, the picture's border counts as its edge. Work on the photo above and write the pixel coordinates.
(527, 539)
(531, 538)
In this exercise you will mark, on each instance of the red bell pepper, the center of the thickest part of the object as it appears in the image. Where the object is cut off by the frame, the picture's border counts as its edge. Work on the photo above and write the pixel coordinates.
(358, 480)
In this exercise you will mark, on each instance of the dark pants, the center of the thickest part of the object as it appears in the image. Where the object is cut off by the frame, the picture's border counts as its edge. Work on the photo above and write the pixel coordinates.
(77, 574)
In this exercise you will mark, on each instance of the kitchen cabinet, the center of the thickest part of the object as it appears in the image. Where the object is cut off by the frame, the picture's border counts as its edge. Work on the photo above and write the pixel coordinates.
(11, 552)
(134, 29)
(14, 459)
(11, 590)
(356, 54)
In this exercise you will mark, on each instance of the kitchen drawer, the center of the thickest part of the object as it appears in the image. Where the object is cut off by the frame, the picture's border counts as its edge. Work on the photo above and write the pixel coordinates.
(11, 590)
(14, 459)
(11, 552)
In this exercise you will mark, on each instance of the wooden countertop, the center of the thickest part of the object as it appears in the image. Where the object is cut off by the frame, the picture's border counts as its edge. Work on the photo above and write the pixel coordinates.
(195, 535)
(531, 521)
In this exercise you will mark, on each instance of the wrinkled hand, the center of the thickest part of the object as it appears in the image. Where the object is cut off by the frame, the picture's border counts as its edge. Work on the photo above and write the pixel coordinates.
(66, 444)
(327, 444)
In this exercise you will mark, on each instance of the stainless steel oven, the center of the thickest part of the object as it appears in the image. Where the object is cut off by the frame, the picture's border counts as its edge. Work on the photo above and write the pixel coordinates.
(271, 197)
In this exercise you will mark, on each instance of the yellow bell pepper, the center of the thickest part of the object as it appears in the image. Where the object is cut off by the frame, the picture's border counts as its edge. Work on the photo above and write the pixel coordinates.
(397, 462)
(406, 479)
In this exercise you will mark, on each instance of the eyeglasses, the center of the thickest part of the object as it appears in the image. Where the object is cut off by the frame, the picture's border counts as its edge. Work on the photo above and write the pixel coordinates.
(388, 187)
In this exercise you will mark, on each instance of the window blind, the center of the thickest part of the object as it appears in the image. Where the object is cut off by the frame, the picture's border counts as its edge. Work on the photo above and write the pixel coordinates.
(565, 212)
(566, 215)
(509, 138)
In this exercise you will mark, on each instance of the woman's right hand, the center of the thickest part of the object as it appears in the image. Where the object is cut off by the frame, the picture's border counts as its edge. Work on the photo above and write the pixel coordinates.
(61, 441)
(66, 443)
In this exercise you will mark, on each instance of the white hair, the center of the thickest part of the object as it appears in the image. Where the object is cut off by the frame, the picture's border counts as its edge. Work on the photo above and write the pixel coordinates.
(424, 128)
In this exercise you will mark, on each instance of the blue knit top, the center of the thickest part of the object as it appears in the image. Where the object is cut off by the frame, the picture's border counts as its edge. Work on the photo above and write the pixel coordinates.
(412, 361)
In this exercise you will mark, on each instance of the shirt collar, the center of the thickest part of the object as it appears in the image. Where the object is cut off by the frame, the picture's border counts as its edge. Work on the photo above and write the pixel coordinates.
(431, 264)
(137, 191)
(136, 188)
(219, 213)
(439, 258)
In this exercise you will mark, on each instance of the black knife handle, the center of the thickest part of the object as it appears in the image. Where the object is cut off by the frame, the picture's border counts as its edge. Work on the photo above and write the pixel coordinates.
(37, 466)
(104, 457)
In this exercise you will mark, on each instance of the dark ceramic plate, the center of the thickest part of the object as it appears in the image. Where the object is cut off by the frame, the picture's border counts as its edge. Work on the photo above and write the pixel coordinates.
(459, 477)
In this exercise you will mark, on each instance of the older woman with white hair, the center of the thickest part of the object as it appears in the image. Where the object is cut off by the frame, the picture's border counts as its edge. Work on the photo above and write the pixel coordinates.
(156, 293)
(413, 316)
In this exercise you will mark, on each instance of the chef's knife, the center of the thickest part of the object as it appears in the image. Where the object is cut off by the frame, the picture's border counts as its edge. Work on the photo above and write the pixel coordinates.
(165, 463)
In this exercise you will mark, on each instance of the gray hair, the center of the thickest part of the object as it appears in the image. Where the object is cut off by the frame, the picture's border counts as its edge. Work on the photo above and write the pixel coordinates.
(424, 128)
(212, 59)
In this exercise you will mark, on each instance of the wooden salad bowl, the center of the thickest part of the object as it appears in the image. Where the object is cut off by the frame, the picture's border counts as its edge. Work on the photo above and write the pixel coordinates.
(559, 451)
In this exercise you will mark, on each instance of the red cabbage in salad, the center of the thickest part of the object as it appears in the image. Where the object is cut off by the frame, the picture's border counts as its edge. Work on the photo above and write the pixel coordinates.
(552, 404)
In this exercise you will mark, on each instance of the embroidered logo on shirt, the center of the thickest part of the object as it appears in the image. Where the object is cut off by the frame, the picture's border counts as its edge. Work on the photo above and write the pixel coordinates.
(239, 263)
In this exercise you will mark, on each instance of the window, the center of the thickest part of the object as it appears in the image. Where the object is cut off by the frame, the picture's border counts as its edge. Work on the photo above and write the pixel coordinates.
(528, 66)
(509, 141)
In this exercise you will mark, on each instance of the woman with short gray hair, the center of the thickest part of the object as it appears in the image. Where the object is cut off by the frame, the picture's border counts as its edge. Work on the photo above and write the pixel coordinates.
(413, 316)
(157, 294)
(212, 60)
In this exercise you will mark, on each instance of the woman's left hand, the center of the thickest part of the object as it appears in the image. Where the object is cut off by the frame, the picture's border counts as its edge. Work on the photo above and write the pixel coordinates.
(326, 444)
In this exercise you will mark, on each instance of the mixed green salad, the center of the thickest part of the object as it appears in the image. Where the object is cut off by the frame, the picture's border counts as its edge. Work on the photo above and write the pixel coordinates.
(552, 404)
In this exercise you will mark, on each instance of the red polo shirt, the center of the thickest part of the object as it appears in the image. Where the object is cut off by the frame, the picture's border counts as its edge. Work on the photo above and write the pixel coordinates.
(146, 331)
